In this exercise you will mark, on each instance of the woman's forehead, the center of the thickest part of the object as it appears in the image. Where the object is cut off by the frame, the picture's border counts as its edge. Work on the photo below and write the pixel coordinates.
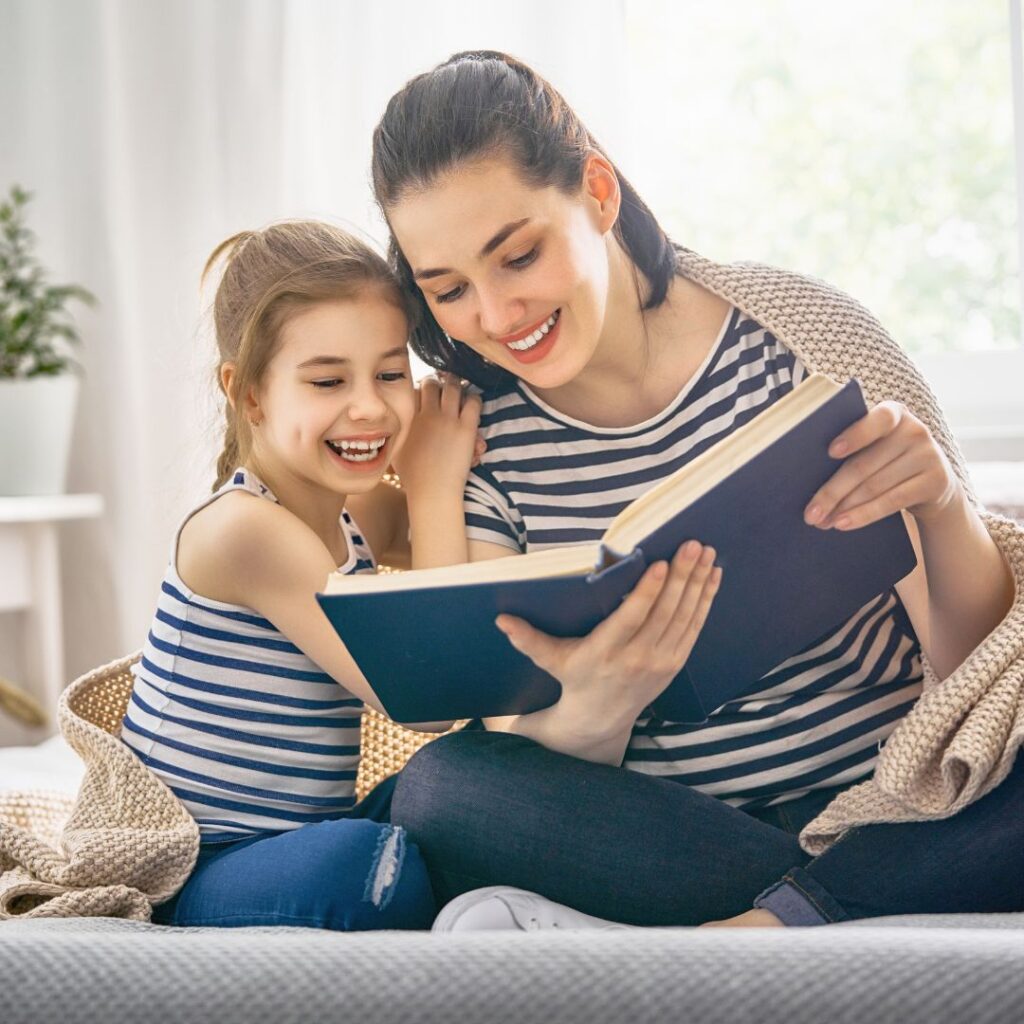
(455, 218)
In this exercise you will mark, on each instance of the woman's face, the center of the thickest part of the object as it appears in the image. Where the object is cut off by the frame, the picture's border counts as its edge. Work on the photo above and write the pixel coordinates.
(519, 274)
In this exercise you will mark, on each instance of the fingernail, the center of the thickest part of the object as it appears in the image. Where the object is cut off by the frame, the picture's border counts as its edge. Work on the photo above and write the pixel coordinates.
(692, 549)
(839, 448)
(842, 522)
(813, 514)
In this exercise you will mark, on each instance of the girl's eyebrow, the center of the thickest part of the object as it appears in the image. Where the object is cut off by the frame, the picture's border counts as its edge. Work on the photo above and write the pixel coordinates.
(493, 244)
(339, 361)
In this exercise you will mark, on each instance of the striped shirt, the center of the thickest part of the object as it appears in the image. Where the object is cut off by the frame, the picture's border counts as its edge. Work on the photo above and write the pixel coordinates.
(548, 480)
(247, 732)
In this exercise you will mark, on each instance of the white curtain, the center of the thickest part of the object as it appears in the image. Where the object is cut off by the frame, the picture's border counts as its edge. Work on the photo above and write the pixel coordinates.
(151, 130)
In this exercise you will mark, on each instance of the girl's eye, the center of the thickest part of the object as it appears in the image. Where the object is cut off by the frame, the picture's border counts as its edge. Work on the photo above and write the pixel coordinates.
(324, 385)
(449, 296)
(392, 375)
(521, 262)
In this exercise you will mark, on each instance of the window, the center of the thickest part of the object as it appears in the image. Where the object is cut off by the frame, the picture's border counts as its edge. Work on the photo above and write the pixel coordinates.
(871, 144)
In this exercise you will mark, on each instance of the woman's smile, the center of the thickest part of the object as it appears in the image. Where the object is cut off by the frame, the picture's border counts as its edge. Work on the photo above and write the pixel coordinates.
(534, 343)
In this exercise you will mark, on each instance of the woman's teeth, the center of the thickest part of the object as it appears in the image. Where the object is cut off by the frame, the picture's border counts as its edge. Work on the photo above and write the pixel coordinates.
(358, 451)
(525, 344)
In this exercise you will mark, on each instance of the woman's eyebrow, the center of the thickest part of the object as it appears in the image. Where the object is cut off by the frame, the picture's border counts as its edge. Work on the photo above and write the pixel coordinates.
(493, 244)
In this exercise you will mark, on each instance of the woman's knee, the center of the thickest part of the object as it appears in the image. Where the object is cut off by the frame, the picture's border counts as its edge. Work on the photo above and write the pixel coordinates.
(450, 776)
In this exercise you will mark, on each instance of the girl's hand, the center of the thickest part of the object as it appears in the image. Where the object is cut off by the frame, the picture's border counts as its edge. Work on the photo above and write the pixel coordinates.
(630, 657)
(443, 442)
(891, 462)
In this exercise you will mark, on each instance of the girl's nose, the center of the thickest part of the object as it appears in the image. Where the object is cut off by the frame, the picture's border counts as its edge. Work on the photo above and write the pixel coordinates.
(367, 405)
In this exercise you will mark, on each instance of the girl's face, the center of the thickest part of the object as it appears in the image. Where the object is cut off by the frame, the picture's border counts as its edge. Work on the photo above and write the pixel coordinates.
(337, 398)
(519, 274)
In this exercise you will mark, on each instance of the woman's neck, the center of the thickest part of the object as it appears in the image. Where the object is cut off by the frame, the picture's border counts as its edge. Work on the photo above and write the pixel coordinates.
(642, 359)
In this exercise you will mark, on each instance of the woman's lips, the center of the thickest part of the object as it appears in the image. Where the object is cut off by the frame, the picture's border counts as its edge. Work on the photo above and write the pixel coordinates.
(541, 349)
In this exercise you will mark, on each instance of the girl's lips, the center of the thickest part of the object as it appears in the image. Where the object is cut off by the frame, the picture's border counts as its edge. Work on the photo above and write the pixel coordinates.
(541, 349)
(375, 465)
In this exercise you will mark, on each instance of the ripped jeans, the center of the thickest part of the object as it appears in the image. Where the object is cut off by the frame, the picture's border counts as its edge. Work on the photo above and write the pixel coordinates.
(352, 873)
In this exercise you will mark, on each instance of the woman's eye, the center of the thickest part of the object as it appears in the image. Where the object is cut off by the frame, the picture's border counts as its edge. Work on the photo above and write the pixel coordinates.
(520, 262)
(325, 384)
(449, 296)
(393, 375)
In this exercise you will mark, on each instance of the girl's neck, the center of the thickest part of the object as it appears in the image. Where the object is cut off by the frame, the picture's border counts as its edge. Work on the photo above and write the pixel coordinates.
(319, 508)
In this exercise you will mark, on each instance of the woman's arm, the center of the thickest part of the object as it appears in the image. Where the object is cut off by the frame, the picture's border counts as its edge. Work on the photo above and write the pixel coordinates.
(609, 676)
(964, 587)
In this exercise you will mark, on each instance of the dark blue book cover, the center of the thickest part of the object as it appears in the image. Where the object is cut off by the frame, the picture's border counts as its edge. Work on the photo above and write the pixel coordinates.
(434, 653)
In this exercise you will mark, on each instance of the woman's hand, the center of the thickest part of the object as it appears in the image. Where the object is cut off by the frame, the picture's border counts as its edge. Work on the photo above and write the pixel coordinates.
(891, 462)
(443, 443)
(626, 661)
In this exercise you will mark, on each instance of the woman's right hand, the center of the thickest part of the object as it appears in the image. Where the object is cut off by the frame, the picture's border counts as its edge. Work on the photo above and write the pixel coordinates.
(624, 663)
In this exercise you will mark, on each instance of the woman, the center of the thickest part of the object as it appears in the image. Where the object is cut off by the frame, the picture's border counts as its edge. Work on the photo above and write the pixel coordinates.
(609, 357)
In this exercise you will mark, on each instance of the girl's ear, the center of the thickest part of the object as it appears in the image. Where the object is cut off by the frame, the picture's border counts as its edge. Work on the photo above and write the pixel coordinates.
(601, 186)
(249, 405)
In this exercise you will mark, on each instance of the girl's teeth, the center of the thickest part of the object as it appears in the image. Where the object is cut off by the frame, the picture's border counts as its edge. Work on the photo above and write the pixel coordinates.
(358, 451)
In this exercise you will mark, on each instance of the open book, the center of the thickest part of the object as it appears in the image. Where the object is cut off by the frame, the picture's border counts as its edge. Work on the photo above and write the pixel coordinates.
(426, 639)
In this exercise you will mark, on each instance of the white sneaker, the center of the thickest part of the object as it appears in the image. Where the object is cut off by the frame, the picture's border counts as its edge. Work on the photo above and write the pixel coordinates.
(500, 907)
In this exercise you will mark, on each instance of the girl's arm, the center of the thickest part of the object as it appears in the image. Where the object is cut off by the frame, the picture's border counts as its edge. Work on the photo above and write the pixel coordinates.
(248, 551)
(433, 465)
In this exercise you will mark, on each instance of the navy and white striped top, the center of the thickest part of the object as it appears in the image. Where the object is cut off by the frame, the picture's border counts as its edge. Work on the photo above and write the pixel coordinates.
(548, 480)
(248, 732)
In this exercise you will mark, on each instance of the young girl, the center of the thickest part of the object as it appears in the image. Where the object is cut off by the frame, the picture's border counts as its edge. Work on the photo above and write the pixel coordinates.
(245, 701)
(610, 357)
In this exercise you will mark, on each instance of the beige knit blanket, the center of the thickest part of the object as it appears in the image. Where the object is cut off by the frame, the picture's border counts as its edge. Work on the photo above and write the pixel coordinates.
(129, 843)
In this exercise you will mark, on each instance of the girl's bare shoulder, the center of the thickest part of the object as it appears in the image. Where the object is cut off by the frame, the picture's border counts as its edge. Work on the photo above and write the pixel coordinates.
(222, 546)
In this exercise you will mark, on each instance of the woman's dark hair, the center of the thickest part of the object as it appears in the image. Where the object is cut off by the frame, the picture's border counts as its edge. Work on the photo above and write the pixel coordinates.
(484, 103)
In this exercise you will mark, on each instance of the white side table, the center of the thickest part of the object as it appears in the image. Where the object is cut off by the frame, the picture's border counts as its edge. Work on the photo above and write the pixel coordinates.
(30, 581)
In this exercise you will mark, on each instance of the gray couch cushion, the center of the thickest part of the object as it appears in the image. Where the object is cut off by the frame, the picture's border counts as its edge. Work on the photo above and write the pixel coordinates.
(934, 970)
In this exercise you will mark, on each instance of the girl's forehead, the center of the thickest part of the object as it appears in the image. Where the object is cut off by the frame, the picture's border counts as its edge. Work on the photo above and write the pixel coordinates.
(368, 326)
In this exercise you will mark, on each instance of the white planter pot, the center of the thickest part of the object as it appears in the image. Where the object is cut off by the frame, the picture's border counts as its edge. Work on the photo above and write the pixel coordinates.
(36, 420)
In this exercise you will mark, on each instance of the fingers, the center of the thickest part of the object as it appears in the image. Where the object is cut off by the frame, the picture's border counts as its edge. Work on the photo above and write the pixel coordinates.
(695, 619)
(622, 625)
(688, 562)
(541, 649)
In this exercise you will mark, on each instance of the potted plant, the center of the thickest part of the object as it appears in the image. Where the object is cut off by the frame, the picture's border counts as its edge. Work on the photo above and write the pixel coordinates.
(38, 377)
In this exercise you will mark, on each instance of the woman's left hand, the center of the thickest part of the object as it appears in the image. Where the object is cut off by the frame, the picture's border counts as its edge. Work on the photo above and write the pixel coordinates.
(890, 462)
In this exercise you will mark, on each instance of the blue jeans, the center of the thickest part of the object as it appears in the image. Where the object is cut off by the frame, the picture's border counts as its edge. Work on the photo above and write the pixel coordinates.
(488, 808)
(353, 873)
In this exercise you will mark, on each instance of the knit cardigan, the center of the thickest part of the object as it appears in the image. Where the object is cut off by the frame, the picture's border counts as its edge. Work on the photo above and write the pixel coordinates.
(129, 844)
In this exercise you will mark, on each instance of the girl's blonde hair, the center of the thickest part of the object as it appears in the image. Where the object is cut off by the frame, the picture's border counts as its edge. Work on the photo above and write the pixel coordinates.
(269, 276)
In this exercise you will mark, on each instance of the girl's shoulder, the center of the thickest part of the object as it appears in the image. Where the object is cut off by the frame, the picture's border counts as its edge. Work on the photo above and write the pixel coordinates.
(222, 544)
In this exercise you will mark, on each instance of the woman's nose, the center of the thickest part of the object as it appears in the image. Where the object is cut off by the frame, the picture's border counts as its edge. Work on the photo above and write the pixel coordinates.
(499, 314)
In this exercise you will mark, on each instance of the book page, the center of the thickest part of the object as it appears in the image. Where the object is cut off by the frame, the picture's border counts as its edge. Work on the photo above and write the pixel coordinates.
(570, 561)
(641, 517)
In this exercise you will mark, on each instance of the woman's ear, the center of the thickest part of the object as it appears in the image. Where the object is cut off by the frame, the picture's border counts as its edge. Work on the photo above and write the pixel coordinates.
(601, 186)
